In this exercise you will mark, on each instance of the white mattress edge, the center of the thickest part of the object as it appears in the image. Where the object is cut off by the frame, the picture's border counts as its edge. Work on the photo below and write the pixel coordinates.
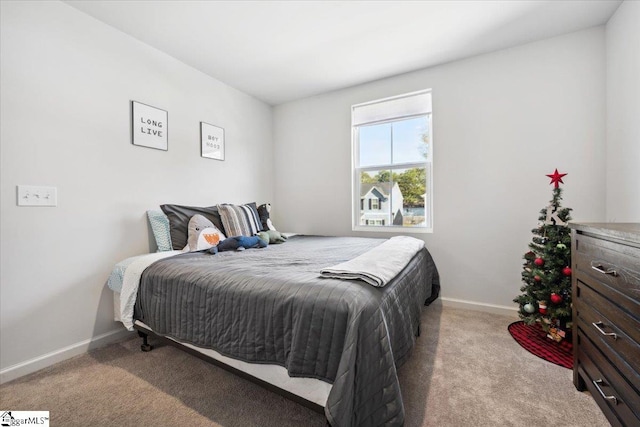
(311, 389)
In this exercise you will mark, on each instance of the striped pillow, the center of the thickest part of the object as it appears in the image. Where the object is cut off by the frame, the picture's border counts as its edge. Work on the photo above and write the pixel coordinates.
(240, 220)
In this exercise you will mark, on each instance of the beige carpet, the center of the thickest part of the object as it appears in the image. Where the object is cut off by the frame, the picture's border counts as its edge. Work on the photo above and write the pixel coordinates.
(466, 370)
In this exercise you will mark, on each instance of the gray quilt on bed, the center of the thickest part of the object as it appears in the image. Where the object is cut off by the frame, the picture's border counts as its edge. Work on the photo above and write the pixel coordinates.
(271, 306)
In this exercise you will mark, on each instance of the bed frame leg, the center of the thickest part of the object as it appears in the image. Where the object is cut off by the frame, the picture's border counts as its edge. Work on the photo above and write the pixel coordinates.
(145, 344)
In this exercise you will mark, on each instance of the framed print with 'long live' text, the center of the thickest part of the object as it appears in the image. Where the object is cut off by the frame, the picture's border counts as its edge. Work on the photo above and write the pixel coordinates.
(149, 127)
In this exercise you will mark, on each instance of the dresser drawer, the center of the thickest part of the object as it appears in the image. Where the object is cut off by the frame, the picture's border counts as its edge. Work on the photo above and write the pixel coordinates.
(626, 308)
(596, 296)
(613, 394)
(593, 318)
(612, 263)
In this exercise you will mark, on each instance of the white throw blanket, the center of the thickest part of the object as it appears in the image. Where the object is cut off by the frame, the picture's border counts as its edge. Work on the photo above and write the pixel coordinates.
(379, 265)
(131, 281)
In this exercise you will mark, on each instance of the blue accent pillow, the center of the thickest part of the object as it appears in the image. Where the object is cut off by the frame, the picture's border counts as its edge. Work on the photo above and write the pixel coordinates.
(161, 230)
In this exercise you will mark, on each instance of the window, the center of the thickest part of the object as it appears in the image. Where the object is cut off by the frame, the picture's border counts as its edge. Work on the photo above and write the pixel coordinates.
(392, 163)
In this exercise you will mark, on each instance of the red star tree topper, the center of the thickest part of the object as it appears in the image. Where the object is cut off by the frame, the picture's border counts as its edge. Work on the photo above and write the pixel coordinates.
(556, 178)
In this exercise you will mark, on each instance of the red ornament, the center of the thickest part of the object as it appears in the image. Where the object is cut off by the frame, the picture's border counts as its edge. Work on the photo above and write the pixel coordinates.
(555, 298)
(556, 178)
(537, 278)
(539, 262)
(566, 271)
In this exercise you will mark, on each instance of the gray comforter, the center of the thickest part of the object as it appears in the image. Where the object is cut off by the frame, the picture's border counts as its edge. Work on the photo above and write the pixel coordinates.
(271, 306)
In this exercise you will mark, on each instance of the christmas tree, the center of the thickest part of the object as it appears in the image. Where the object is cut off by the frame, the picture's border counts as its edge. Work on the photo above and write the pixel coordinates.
(546, 271)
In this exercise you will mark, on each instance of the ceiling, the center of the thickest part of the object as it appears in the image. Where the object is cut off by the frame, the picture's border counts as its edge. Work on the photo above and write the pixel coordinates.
(279, 51)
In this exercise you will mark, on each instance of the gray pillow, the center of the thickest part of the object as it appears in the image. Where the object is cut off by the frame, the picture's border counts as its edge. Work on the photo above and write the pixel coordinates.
(179, 217)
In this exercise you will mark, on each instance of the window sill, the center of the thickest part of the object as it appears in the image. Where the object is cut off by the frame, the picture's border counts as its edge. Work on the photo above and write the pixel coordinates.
(396, 229)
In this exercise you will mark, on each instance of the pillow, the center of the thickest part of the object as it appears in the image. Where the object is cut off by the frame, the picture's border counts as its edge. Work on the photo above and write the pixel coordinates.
(179, 217)
(161, 230)
(263, 212)
(240, 220)
(202, 234)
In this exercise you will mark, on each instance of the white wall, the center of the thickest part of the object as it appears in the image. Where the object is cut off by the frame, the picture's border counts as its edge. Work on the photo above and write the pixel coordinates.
(501, 121)
(66, 83)
(623, 112)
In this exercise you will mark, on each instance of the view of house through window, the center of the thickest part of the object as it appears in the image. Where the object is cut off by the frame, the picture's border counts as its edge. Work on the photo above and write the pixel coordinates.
(392, 162)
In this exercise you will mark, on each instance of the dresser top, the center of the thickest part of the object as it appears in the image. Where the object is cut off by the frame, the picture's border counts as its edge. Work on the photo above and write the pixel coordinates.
(625, 231)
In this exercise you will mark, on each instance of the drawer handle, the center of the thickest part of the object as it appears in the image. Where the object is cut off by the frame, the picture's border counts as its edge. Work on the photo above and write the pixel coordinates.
(601, 269)
(598, 325)
(611, 398)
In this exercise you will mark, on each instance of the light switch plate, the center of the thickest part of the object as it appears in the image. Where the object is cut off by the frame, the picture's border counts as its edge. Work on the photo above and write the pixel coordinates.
(37, 195)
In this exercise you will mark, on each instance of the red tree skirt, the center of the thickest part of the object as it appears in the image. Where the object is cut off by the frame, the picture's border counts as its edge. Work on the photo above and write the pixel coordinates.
(534, 339)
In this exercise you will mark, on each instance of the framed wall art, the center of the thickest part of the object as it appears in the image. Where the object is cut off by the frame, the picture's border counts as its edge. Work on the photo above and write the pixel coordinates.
(149, 126)
(212, 141)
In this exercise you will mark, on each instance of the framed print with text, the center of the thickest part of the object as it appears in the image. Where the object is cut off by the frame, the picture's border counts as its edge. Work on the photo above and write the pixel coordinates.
(212, 141)
(149, 126)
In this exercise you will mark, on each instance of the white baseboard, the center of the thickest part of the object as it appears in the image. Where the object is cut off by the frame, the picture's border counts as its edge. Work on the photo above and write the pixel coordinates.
(479, 306)
(20, 369)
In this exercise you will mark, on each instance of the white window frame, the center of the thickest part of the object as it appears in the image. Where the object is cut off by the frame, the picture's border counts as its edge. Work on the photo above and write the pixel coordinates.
(356, 171)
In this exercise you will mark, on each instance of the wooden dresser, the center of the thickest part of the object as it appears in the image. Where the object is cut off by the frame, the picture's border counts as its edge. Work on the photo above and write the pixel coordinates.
(606, 317)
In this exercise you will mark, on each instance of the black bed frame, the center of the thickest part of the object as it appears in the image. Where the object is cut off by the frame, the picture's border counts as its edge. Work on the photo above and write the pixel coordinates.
(145, 333)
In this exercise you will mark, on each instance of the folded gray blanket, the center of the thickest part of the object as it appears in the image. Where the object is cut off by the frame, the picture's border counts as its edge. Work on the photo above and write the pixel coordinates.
(379, 265)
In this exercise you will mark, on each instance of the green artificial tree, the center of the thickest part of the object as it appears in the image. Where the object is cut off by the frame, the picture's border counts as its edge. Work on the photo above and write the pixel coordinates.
(546, 273)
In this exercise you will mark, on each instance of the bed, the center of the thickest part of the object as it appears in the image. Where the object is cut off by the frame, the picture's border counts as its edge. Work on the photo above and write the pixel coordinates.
(334, 344)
